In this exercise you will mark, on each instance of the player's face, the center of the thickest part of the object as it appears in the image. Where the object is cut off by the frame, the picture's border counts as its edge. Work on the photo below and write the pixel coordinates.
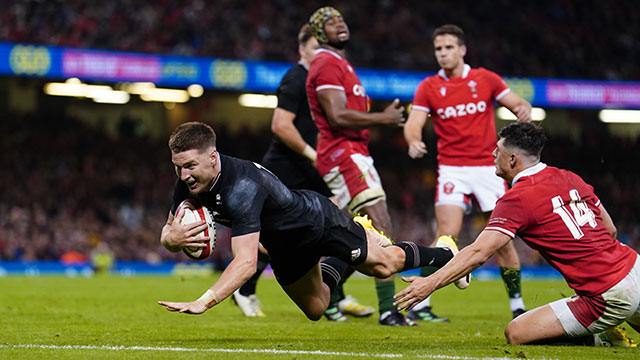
(502, 159)
(449, 53)
(308, 50)
(336, 30)
(196, 168)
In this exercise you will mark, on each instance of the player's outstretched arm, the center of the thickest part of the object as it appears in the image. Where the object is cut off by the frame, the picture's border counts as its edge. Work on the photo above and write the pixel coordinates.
(334, 104)
(175, 235)
(413, 133)
(468, 259)
(517, 105)
(239, 270)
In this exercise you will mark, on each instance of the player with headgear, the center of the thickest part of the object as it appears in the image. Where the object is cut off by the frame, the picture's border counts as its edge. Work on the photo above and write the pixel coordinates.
(339, 105)
(291, 156)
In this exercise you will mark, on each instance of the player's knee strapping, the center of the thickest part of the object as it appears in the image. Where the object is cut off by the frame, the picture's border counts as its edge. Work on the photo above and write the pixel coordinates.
(418, 255)
(332, 270)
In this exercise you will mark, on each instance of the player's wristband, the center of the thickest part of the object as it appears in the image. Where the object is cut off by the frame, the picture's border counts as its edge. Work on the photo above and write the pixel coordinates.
(209, 299)
(310, 153)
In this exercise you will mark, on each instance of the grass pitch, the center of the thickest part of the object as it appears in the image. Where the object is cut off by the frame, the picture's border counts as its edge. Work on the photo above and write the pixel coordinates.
(115, 317)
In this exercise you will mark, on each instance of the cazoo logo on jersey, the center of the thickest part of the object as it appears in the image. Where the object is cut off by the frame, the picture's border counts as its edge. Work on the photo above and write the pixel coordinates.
(358, 90)
(462, 110)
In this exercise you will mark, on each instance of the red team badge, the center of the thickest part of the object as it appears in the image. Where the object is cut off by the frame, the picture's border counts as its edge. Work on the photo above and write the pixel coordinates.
(448, 187)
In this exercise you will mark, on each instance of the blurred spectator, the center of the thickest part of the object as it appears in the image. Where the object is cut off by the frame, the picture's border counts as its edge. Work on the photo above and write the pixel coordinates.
(546, 38)
(101, 258)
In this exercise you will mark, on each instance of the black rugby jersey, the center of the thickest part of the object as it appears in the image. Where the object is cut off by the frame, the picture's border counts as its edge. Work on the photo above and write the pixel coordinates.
(292, 96)
(248, 198)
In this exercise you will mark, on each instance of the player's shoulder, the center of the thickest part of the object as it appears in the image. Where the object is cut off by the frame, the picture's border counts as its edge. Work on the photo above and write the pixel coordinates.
(516, 192)
(571, 177)
(297, 71)
(238, 176)
(324, 58)
(430, 81)
(296, 74)
(237, 164)
(483, 72)
(234, 169)
(548, 178)
(558, 173)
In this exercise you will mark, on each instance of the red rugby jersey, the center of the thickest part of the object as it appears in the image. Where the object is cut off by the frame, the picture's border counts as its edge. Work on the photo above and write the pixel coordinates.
(462, 111)
(329, 70)
(555, 212)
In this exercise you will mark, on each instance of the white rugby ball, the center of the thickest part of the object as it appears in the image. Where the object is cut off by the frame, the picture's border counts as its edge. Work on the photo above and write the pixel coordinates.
(194, 211)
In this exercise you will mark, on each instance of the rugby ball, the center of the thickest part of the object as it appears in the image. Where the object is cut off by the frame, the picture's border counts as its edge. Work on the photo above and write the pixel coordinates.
(194, 211)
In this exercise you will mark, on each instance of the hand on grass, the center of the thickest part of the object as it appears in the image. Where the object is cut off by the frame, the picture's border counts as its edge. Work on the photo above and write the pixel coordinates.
(193, 307)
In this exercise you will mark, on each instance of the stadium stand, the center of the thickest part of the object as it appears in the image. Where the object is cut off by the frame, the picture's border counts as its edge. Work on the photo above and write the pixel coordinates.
(66, 186)
(585, 39)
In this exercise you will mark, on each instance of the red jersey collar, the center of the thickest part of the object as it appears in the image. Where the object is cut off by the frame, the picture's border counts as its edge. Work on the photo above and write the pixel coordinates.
(330, 52)
(529, 171)
(465, 72)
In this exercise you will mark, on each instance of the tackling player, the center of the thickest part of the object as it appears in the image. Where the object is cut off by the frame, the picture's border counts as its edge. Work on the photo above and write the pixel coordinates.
(296, 227)
(460, 102)
(555, 212)
(339, 106)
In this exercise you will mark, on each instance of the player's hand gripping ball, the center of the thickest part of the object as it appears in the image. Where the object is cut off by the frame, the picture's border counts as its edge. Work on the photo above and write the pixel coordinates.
(194, 211)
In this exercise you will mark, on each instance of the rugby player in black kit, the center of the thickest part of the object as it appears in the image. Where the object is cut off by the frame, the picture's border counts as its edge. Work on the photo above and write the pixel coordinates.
(292, 158)
(296, 227)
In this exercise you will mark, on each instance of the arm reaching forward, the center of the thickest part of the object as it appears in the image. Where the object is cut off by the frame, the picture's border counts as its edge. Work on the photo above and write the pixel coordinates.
(470, 258)
(240, 269)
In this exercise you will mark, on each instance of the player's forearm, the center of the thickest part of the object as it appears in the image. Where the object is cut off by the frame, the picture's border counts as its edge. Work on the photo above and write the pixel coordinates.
(413, 127)
(467, 260)
(412, 131)
(354, 119)
(282, 126)
(520, 107)
(237, 273)
(290, 136)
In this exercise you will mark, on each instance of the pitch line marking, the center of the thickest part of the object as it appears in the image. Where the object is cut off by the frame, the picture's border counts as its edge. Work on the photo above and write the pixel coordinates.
(258, 351)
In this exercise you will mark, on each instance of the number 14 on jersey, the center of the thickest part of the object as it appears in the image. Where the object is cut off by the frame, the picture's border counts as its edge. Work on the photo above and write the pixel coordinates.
(575, 214)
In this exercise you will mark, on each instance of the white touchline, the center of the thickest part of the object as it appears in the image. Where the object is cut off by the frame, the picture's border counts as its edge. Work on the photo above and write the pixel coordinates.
(264, 351)
(179, 349)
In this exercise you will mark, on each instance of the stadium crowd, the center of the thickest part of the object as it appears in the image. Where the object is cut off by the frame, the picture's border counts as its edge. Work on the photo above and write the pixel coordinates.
(68, 187)
(563, 39)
